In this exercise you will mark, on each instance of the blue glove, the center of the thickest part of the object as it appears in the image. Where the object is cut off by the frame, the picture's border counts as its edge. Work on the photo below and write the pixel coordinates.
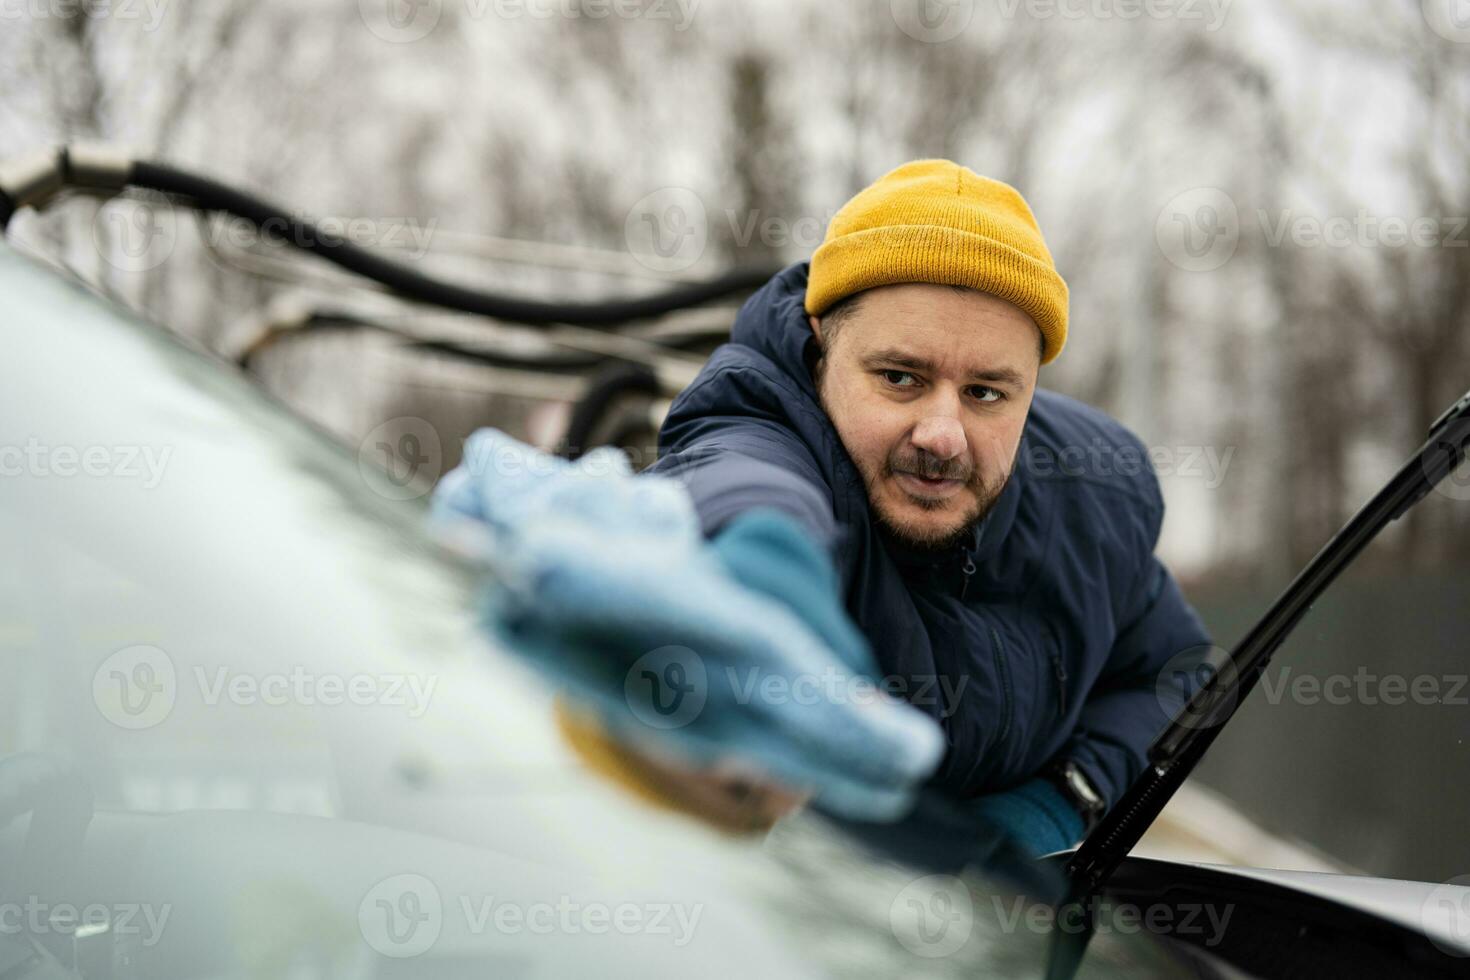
(1035, 814)
(768, 552)
(606, 583)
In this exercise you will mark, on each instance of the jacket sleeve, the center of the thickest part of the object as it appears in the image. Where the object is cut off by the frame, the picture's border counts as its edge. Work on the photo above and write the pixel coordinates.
(1146, 680)
(732, 461)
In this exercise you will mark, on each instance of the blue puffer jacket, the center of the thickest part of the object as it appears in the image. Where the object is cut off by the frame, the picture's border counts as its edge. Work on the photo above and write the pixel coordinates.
(1053, 633)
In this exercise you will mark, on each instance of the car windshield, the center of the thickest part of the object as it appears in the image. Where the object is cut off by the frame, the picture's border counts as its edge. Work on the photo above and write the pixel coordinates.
(224, 633)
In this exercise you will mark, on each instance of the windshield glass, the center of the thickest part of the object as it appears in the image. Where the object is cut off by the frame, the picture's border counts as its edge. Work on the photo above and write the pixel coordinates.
(223, 632)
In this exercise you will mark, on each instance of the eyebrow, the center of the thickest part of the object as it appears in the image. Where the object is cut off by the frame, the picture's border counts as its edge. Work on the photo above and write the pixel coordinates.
(903, 359)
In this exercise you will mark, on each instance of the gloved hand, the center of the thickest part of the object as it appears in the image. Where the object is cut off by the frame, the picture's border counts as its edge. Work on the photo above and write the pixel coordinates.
(769, 553)
(606, 582)
(1035, 814)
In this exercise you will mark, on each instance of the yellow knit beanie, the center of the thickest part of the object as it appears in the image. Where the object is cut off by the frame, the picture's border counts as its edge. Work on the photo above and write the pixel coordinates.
(936, 221)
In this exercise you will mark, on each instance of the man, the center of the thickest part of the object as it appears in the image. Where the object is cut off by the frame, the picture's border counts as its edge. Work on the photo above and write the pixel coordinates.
(994, 540)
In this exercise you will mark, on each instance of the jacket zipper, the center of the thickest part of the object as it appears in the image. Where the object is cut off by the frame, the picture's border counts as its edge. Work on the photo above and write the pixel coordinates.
(966, 570)
(1061, 672)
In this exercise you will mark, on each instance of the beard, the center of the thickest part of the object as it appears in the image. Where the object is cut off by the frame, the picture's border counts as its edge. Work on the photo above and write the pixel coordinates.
(981, 496)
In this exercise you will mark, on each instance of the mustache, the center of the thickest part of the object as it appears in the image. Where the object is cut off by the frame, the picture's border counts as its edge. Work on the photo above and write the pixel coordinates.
(930, 468)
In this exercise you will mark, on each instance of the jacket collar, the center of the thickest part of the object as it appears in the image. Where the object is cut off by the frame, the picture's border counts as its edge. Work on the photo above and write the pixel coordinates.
(773, 322)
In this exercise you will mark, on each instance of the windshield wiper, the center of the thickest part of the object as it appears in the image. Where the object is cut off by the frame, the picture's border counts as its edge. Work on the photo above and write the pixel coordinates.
(1180, 746)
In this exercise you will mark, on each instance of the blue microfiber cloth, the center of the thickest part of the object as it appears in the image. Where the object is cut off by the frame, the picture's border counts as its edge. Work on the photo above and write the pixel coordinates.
(735, 653)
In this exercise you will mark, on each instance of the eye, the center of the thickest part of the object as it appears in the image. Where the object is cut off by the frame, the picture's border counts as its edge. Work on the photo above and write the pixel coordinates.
(985, 394)
(895, 378)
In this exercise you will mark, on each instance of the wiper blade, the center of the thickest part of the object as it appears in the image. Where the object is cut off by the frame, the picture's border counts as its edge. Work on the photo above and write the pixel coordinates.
(1178, 749)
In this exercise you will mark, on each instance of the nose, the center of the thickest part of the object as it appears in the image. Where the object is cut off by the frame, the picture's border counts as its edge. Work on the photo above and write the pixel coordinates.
(940, 435)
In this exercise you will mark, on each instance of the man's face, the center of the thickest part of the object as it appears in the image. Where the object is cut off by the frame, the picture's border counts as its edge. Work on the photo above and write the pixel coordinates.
(928, 388)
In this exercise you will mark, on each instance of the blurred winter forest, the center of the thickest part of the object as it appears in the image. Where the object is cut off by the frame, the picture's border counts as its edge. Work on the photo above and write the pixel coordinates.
(1260, 206)
(1195, 168)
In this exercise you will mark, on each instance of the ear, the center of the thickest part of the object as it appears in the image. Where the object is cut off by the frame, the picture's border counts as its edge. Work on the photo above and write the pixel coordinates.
(816, 326)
